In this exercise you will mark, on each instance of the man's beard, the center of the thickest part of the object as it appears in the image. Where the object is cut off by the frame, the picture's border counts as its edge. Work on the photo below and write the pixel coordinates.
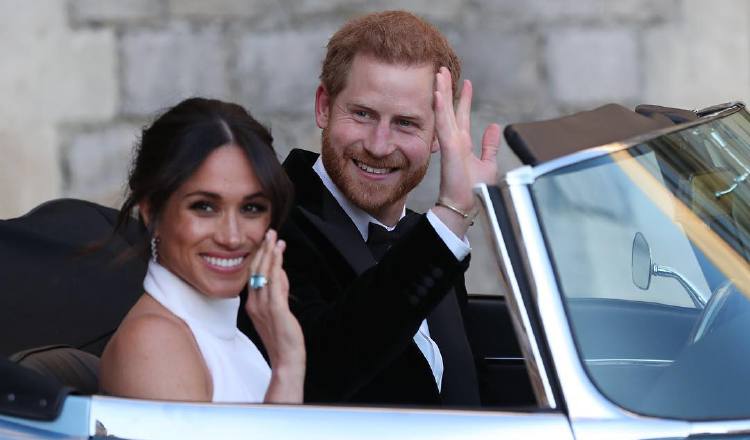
(372, 197)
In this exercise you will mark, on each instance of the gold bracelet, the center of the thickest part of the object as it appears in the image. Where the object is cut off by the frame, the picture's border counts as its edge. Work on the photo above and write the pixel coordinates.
(463, 214)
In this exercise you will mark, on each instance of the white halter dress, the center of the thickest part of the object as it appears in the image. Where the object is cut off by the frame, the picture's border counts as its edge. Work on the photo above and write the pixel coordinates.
(238, 371)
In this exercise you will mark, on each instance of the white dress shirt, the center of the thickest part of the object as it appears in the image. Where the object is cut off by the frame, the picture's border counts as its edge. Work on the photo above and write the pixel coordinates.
(459, 247)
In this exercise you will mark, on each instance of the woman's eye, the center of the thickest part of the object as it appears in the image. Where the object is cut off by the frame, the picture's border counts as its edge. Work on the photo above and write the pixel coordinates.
(202, 207)
(255, 208)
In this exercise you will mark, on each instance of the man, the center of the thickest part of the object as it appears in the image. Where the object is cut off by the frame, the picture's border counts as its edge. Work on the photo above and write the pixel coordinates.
(385, 327)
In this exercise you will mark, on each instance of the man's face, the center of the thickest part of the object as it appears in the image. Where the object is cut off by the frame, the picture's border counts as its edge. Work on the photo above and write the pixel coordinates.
(378, 133)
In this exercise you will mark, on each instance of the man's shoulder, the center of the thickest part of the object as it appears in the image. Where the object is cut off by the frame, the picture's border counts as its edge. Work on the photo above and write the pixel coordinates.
(298, 160)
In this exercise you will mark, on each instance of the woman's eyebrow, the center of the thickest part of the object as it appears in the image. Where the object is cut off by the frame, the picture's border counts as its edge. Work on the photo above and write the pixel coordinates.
(213, 195)
(259, 194)
(208, 194)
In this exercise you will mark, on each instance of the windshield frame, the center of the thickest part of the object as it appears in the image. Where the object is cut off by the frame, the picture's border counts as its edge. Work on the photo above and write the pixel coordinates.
(581, 396)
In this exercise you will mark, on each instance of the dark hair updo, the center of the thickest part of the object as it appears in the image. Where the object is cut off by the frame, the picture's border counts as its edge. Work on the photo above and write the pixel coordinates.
(175, 145)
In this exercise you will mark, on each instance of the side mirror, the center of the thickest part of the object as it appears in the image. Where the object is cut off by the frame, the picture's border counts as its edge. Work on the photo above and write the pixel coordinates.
(640, 263)
(642, 268)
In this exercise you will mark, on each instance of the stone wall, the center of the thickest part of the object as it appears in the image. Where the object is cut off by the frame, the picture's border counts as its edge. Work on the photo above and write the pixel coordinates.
(80, 77)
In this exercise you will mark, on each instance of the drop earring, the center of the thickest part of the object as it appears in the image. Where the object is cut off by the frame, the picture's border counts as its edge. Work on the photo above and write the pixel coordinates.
(155, 248)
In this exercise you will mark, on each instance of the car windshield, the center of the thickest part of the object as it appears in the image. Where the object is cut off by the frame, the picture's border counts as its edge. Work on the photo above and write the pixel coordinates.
(650, 246)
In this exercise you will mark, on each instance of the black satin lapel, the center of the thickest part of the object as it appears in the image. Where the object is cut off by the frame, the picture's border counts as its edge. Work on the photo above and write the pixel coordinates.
(321, 209)
(460, 386)
(445, 319)
(336, 226)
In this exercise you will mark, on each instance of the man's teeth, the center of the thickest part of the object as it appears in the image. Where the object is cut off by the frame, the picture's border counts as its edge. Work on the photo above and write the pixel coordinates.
(223, 262)
(370, 169)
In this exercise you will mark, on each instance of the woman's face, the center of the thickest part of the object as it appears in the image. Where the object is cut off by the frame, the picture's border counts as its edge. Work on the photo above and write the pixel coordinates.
(213, 223)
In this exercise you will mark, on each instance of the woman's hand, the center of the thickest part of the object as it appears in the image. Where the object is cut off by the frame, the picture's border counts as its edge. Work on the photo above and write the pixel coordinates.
(268, 308)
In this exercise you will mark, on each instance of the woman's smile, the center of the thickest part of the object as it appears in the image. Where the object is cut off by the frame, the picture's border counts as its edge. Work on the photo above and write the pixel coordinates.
(224, 264)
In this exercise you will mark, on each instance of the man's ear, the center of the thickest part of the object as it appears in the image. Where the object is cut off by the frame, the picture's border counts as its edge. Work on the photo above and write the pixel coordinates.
(435, 147)
(322, 106)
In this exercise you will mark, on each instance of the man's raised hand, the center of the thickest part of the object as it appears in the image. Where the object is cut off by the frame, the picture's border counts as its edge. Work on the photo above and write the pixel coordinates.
(460, 168)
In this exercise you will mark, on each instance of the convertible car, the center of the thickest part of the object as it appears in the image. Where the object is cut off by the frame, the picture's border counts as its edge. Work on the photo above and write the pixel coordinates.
(622, 311)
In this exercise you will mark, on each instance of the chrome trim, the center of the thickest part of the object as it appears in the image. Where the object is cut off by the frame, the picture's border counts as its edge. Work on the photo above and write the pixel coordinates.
(730, 427)
(711, 110)
(126, 418)
(581, 397)
(523, 175)
(626, 361)
(73, 419)
(592, 415)
(527, 339)
(668, 272)
(503, 358)
(601, 150)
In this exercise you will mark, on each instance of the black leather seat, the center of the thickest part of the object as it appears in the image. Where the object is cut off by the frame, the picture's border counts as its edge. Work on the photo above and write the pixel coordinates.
(69, 366)
(64, 278)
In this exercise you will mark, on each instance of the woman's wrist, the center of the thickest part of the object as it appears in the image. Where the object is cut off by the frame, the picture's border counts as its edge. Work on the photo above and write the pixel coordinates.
(287, 384)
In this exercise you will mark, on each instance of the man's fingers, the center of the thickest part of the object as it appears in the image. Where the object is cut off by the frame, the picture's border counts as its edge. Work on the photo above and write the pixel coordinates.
(490, 143)
(445, 118)
(463, 110)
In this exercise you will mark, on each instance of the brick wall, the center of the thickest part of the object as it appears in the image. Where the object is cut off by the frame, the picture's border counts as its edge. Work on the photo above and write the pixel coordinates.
(80, 77)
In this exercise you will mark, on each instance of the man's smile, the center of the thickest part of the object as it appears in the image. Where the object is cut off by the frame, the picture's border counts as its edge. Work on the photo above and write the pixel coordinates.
(372, 170)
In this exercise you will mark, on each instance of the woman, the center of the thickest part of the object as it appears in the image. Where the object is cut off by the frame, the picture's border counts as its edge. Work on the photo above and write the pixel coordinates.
(211, 193)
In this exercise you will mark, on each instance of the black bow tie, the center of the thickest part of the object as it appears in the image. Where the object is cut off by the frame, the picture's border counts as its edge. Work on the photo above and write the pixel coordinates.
(379, 239)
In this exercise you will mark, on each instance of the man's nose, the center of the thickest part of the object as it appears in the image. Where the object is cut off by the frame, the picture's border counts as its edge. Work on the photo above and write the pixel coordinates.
(228, 231)
(380, 142)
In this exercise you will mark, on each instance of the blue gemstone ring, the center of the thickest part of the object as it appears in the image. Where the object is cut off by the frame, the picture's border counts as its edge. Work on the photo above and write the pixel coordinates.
(257, 281)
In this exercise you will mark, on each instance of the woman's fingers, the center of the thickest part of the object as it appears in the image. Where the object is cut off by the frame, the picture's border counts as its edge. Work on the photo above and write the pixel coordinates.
(277, 276)
(268, 308)
(259, 266)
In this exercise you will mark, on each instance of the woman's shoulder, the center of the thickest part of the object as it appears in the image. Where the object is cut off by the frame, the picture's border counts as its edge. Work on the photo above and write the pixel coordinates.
(153, 354)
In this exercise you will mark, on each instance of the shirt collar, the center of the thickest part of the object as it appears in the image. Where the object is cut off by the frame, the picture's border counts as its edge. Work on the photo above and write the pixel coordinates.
(360, 218)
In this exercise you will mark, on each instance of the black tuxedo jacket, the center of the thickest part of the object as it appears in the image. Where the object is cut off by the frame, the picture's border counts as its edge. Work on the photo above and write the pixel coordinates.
(359, 317)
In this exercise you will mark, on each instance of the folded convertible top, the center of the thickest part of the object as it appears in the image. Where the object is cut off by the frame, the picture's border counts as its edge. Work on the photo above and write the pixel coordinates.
(537, 142)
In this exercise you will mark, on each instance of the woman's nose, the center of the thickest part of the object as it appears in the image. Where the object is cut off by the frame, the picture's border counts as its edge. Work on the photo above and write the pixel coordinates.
(228, 231)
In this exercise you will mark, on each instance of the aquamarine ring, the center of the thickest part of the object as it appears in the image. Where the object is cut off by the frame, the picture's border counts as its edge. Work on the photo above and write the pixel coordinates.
(257, 281)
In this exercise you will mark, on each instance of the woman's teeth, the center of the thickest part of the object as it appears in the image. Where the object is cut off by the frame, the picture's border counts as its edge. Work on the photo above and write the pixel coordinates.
(223, 262)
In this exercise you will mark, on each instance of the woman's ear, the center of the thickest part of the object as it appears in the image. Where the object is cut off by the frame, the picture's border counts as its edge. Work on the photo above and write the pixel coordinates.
(144, 210)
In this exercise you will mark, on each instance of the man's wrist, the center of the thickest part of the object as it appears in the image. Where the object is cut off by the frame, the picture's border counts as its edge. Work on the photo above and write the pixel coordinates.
(455, 240)
(467, 215)
(457, 224)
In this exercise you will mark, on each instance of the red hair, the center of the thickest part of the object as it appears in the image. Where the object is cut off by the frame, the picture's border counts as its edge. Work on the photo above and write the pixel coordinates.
(394, 37)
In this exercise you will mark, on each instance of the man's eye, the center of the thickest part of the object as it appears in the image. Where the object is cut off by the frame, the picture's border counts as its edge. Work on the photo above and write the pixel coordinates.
(405, 123)
(361, 113)
(202, 207)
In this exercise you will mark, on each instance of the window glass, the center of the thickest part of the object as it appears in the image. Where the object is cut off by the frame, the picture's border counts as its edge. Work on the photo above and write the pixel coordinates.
(650, 248)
